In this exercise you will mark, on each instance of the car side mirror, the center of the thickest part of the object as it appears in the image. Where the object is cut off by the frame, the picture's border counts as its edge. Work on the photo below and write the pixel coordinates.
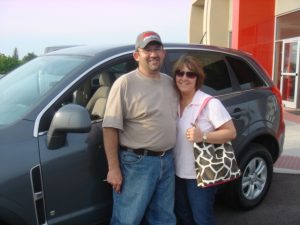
(70, 118)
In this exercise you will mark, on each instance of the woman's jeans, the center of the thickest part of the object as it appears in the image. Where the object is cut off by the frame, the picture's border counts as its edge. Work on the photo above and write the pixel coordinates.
(147, 192)
(194, 205)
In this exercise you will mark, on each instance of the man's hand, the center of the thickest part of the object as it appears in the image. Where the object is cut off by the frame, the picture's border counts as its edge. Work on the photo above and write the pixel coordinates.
(111, 143)
(115, 178)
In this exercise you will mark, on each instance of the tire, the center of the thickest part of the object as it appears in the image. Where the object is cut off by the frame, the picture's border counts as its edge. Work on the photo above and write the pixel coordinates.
(257, 172)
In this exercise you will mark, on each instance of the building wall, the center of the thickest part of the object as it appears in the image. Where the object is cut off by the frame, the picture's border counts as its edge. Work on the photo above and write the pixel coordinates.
(196, 21)
(283, 6)
(218, 26)
(253, 29)
(209, 22)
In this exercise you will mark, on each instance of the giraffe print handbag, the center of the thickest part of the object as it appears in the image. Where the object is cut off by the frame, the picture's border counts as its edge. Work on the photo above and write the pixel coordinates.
(214, 163)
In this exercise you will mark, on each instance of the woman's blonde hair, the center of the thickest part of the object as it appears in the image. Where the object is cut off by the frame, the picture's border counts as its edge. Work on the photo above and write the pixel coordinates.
(194, 65)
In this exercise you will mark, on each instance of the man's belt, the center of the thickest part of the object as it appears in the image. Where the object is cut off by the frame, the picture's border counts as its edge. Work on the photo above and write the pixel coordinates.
(141, 151)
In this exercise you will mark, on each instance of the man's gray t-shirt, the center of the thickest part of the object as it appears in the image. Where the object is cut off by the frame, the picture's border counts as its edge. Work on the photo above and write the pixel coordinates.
(144, 111)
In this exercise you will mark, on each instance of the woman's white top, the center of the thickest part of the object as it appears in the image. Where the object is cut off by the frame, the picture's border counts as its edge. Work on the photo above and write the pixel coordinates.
(212, 116)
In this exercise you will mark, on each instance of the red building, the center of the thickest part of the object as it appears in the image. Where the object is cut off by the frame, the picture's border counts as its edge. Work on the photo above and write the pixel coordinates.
(268, 29)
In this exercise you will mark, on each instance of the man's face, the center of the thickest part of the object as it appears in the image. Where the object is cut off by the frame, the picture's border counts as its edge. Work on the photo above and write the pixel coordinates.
(150, 58)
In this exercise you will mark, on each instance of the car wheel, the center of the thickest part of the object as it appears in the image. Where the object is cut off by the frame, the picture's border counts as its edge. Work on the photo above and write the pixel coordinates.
(257, 172)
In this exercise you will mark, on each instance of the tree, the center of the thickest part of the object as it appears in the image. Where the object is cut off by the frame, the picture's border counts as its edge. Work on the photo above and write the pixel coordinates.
(16, 54)
(7, 64)
(28, 57)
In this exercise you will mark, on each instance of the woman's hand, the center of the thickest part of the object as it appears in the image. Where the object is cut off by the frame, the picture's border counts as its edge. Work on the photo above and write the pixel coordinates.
(222, 134)
(194, 134)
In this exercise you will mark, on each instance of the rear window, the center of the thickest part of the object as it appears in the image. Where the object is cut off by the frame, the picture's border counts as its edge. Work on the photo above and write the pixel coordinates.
(245, 75)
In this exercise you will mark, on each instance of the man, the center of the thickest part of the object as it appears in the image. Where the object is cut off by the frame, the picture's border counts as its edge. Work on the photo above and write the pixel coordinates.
(139, 131)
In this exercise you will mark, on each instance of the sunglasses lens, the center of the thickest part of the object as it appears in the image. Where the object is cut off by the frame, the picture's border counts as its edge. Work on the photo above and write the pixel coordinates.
(179, 73)
(191, 74)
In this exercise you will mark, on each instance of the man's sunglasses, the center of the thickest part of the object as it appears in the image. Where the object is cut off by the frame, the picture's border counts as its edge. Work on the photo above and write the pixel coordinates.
(179, 73)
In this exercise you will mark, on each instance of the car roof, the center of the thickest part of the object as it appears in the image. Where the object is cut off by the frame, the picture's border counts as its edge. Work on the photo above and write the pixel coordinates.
(90, 50)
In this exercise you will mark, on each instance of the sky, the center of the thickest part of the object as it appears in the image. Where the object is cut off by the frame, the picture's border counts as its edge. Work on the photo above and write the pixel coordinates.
(33, 25)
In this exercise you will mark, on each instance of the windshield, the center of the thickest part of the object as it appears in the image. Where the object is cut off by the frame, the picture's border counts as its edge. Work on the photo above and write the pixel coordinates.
(23, 87)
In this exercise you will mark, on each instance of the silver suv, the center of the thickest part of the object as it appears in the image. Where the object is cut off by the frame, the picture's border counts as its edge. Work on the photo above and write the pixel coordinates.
(52, 162)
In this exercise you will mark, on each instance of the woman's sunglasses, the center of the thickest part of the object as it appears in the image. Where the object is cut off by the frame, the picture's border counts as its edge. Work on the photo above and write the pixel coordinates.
(179, 73)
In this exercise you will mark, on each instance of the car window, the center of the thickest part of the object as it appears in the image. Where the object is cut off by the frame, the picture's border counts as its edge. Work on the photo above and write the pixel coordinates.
(101, 83)
(246, 76)
(124, 67)
(92, 92)
(217, 80)
(116, 70)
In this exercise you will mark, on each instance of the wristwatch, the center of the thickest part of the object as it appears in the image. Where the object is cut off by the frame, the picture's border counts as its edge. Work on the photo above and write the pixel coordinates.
(204, 137)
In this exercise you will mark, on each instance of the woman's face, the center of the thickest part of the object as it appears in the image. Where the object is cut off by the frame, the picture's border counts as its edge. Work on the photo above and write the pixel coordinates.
(186, 81)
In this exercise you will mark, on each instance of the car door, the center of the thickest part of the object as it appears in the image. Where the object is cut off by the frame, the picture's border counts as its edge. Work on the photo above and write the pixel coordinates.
(254, 103)
(74, 173)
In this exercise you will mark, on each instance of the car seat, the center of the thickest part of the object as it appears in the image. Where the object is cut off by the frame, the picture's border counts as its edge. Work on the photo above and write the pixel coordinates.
(82, 94)
(97, 103)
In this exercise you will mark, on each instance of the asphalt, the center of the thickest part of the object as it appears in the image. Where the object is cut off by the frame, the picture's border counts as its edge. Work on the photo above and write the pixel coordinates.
(281, 206)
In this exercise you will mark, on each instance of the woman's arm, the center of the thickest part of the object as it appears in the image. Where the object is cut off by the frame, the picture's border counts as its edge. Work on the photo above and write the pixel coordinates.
(222, 134)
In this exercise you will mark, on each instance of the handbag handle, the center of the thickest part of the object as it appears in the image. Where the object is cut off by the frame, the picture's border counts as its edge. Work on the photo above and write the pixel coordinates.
(206, 100)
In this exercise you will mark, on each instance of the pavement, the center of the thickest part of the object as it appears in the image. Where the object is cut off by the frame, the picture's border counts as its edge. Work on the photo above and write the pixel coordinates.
(289, 161)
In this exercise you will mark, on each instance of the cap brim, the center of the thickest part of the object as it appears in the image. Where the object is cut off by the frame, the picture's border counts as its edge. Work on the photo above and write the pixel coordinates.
(148, 42)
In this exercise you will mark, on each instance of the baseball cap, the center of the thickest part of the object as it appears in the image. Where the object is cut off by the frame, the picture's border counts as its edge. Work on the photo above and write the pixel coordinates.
(145, 38)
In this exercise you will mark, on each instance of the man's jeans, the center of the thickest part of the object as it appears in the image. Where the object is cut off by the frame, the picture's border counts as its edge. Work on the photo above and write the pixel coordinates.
(194, 205)
(147, 190)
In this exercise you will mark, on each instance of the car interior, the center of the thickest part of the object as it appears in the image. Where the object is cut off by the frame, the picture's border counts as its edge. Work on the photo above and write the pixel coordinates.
(93, 93)
(97, 103)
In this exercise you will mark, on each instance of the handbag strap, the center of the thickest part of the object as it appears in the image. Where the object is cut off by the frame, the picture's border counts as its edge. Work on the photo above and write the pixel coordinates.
(204, 103)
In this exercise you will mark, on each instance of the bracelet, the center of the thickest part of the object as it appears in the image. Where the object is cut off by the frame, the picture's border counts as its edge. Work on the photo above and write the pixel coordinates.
(204, 137)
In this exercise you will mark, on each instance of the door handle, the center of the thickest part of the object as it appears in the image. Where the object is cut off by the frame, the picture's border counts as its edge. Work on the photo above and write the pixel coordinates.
(237, 113)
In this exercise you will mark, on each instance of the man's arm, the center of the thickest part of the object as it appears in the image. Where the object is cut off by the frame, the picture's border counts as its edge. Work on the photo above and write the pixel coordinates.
(111, 144)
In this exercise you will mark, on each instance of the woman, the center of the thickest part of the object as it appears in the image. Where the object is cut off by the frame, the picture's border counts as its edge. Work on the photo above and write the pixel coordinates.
(194, 205)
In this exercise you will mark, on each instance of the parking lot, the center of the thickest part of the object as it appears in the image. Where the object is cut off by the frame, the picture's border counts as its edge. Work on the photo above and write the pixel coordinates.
(282, 204)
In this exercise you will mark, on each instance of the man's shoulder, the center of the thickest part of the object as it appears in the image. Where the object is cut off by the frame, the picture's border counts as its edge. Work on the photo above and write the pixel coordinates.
(129, 75)
(165, 76)
(124, 78)
(166, 79)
